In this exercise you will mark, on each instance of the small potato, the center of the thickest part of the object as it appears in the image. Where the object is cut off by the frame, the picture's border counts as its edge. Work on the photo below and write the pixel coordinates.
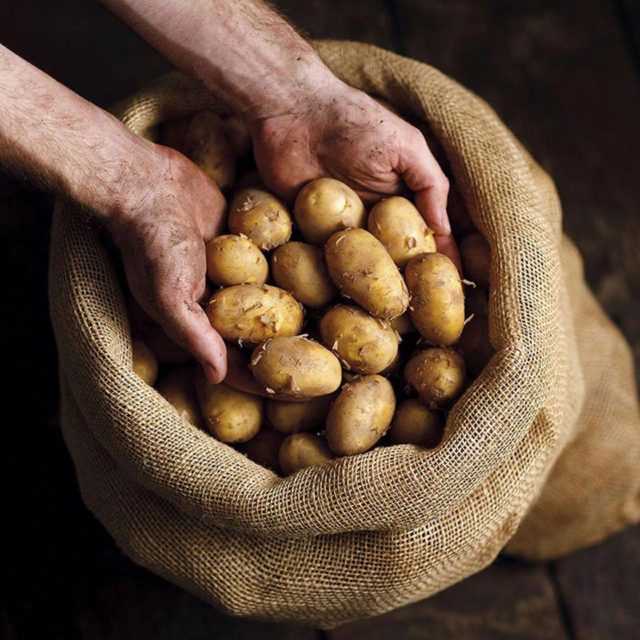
(360, 416)
(402, 324)
(324, 206)
(296, 367)
(207, 145)
(475, 345)
(292, 417)
(235, 260)
(179, 389)
(251, 313)
(301, 450)
(437, 301)
(261, 217)
(172, 132)
(401, 229)
(415, 424)
(438, 376)
(363, 343)
(361, 268)
(476, 258)
(145, 363)
(230, 415)
(300, 268)
(263, 448)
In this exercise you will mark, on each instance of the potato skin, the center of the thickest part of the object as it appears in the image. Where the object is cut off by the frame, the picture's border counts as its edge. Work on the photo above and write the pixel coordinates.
(145, 363)
(476, 259)
(293, 417)
(207, 145)
(363, 343)
(263, 448)
(324, 206)
(360, 416)
(229, 415)
(437, 300)
(361, 268)
(296, 367)
(261, 217)
(301, 450)
(437, 375)
(402, 324)
(235, 260)
(416, 424)
(178, 387)
(401, 229)
(251, 313)
(299, 267)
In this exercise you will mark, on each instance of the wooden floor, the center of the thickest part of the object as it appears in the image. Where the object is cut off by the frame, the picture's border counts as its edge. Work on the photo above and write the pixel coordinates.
(564, 76)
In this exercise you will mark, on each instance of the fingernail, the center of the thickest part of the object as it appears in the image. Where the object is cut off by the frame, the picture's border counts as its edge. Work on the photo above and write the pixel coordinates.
(212, 374)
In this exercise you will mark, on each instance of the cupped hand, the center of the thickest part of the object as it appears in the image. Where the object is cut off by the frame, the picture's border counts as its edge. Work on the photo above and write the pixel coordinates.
(345, 134)
(171, 211)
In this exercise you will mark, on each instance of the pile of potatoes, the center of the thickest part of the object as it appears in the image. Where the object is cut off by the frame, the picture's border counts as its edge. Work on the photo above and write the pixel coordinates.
(350, 330)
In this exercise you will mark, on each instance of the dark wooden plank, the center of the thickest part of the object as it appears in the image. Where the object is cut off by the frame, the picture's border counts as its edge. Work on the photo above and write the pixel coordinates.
(601, 588)
(507, 600)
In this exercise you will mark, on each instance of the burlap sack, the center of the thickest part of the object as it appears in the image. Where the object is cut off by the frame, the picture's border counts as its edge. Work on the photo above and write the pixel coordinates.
(372, 532)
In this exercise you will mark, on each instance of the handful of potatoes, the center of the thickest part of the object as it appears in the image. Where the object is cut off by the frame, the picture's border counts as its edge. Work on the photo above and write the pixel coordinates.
(354, 328)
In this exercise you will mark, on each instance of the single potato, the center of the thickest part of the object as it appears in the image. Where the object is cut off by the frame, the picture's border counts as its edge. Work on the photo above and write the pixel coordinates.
(261, 217)
(416, 424)
(292, 417)
(401, 229)
(360, 416)
(299, 267)
(296, 367)
(235, 260)
(437, 300)
(363, 343)
(437, 375)
(145, 363)
(179, 389)
(251, 313)
(476, 259)
(264, 448)
(324, 206)
(207, 145)
(230, 415)
(301, 450)
(361, 268)
(402, 324)
(475, 345)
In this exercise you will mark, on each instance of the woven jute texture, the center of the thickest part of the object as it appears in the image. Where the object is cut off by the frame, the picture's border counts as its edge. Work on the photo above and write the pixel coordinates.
(543, 449)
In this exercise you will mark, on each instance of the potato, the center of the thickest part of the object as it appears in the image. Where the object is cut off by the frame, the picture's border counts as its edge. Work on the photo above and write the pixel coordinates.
(229, 415)
(402, 324)
(301, 450)
(361, 268)
(300, 268)
(292, 417)
(296, 367)
(179, 389)
(206, 144)
(235, 260)
(145, 363)
(251, 313)
(437, 375)
(172, 132)
(324, 206)
(437, 301)
(264, 448)
(415, 424)
(360, 416)
(475, 345)
(401, 229)
(476, 258)
(261, 217)
(238, 135)
(363, 343)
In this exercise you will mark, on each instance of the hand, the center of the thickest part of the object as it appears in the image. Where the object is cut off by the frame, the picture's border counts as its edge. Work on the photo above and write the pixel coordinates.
(174, 209)
(343, 133)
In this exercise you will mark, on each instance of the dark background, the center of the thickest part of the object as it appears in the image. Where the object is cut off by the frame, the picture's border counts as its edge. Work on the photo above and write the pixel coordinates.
(564, 76)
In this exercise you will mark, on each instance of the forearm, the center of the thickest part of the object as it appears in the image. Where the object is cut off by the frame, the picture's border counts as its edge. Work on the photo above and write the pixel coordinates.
(54, 137)
(243, 51)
